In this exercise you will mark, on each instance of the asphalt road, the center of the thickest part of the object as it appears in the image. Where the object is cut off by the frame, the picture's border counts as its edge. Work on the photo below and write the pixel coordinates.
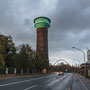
(49, 82)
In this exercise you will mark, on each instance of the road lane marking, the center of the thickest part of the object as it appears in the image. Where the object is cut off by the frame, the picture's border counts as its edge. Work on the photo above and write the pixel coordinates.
(48, 80)
(44, 82)
(83, 84)
(71, 83)
(38, 85)
(57, 80)
(23, 81)
(30, 87)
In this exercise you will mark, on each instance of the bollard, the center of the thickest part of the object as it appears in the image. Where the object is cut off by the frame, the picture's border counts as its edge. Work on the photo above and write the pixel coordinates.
(15, 70)
(6, 71)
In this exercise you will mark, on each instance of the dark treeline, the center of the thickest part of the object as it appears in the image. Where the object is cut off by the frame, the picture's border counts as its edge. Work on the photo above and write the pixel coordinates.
(19, 57)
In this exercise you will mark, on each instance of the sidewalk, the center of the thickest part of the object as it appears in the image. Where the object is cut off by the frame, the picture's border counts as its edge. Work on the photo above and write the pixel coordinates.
(21, 75)
(18, 75)
(85, 81)
(87, 78)
(80, 82)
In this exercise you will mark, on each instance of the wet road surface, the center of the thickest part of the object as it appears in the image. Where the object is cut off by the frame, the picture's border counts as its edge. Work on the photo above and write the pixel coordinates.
(69, 81)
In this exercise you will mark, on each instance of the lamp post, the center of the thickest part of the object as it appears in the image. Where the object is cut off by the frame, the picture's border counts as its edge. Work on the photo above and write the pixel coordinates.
(81, 51)
(84, 58)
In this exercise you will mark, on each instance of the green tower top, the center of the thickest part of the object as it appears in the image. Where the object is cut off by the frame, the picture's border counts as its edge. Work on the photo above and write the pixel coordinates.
(42, 22)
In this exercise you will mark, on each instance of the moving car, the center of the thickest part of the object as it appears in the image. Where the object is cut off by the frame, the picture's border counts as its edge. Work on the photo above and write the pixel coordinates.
(61, 73)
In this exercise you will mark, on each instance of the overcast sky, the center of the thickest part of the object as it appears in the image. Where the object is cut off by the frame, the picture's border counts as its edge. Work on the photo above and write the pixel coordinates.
(70, 25)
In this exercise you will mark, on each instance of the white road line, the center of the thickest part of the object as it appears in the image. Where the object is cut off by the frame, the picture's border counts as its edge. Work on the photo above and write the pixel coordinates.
(83, 84)
(37, 85)
(23, 81)
(31, 87)
(61, 78)
(43, 83)
(46, 81)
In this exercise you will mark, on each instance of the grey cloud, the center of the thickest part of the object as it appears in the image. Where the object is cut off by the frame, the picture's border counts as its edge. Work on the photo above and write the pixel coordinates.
(68, 20)
(69, 27)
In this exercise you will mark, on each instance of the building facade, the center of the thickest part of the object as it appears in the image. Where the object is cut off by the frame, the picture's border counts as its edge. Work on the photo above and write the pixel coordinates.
(88, 56)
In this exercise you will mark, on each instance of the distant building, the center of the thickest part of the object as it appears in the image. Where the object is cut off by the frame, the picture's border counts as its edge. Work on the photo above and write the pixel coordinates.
(88, 56)
(85, 67)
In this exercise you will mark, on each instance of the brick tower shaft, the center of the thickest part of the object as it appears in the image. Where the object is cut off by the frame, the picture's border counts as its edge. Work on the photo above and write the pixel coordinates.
(42, 42)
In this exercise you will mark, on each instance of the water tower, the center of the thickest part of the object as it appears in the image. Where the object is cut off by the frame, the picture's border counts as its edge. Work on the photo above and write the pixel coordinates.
(42, 24)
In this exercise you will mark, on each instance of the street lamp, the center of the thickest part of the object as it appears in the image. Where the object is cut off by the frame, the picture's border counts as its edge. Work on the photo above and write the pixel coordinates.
(81, 51)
